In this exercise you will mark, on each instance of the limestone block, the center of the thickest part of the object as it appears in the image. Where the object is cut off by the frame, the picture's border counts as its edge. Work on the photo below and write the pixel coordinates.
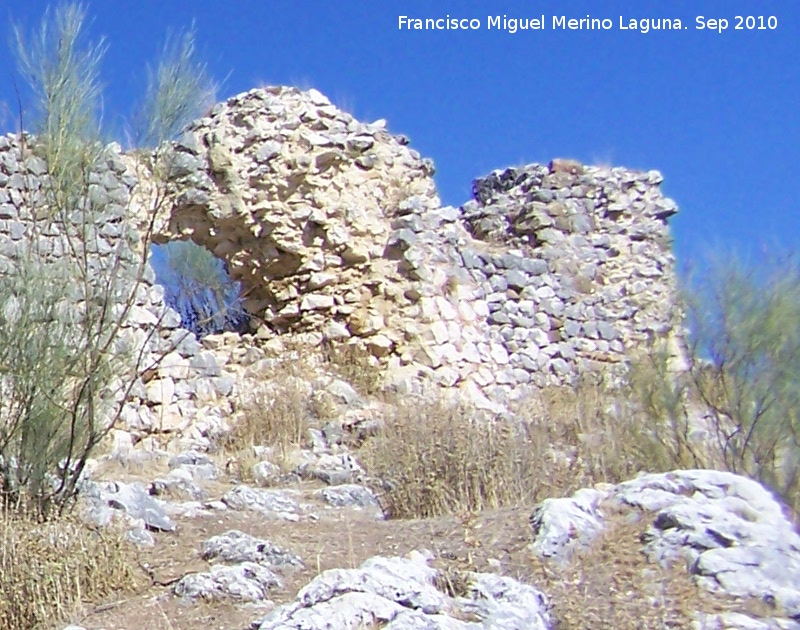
(484, 376)
(429, 356)
(364, 322)
(168, 419)
(173, 366)
(454, 331)
(466, 312)
(498, 354)
(446, 376)
(429, 308)
(160, 391)
(140, 316)
(481, 308)
(470, 352)
(440, 332)
(379, 345)
(336, 330)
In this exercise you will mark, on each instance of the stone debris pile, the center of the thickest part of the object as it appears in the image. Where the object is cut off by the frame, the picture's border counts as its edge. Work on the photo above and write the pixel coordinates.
(401, 593)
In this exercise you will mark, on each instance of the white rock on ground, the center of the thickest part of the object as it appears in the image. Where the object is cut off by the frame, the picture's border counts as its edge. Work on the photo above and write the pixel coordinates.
(274, 503)
(400, 593)
(245, 582)
(234, 546)
(349, 495)
(731, 531)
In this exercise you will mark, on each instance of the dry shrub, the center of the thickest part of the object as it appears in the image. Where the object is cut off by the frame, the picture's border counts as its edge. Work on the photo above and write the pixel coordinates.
(434, 459)
(48, 569)
(599, 432)
(277, 415)
(612, 585)
(356, 366)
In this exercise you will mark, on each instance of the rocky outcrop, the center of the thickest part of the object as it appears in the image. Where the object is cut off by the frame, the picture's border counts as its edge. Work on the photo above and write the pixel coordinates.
(401, 593)
(728, 529)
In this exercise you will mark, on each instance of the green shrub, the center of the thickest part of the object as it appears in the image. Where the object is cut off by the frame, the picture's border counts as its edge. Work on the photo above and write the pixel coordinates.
(744, 321)
(67, 361)
(735, 405)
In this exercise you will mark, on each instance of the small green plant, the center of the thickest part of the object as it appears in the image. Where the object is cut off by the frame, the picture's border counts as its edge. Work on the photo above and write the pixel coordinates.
(734, 406)
(745, 366)
(670, 419)
(69, 359)
(179, 88)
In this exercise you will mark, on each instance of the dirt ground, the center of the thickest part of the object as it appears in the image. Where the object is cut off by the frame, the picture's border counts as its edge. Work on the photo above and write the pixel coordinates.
(611, 586)
(338, 538)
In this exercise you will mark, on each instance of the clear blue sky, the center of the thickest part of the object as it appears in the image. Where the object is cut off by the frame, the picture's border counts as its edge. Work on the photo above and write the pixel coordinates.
(716, 113)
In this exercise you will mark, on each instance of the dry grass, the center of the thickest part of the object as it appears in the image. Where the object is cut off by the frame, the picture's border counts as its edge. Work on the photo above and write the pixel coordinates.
(48, 569)
(356, 366)
(435, 459)
(278, 415)
(612, 585)
(601, 432)
(280, 412)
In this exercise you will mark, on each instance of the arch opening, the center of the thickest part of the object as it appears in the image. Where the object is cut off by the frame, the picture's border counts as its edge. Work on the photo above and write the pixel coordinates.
(198, 286)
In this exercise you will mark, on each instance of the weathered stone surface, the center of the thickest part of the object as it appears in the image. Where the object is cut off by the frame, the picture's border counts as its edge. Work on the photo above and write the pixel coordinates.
(274, 503)
(266, 473)
(236, 547)
(133, 499)
(559, 525)
(307, 225)
(334, 227)
(333, 469)
(178, 482)
(349, 495)
(245, 582)
(729, 529)
(399, 593)
(198, 465)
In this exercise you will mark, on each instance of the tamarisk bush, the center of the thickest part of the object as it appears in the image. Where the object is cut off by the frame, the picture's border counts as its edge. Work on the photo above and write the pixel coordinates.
(69, 355)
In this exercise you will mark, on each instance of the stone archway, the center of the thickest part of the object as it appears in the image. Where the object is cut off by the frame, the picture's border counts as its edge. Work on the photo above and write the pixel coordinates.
(197, 285)
(298, 198)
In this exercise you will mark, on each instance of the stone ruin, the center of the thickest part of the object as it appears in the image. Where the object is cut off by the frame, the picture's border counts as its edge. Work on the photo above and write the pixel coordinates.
(334, 227)
(336, 232)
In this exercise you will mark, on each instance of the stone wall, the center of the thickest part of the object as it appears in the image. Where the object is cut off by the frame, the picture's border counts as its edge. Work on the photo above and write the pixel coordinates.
(335, 230)
(334, 227)
(186, 383)
(573, 262)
